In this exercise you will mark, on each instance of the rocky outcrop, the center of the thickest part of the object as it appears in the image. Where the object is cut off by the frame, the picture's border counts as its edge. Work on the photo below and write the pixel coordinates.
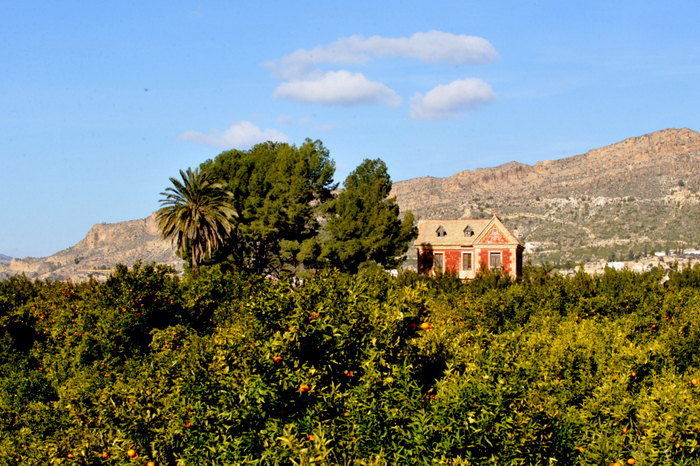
(641, 194)
(629, 198)
(637, 166)
(104, 246)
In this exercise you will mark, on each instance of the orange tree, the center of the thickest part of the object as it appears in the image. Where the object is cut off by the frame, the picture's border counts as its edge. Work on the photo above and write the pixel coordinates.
(234, 369)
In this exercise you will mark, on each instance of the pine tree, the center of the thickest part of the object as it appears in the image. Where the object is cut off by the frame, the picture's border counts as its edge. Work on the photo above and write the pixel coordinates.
(277, 190)
(364, 225)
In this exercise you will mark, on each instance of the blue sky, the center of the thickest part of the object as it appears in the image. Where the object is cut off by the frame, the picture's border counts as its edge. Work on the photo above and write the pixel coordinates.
(102, 102)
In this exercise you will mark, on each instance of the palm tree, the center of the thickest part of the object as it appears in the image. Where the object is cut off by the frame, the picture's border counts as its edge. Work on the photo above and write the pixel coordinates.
(195, 214)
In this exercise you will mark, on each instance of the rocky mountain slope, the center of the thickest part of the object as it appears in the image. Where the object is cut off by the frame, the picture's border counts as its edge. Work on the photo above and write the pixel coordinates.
(624, 199)
(103, 247)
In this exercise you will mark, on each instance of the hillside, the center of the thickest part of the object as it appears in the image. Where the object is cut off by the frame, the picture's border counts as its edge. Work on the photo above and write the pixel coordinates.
(104, 246)
(624, 200)
(627, 198)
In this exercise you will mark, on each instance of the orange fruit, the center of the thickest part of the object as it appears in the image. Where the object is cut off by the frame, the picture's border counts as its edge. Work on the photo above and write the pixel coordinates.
(131, 453)
(426, 326)
(304, 388)
(150, 463)
(630, 461)
(625, 430)
(616, 464)
(70, 455)
(105, 455)
(580, 449)
(634, 374)
(694, 381)
(277, 358)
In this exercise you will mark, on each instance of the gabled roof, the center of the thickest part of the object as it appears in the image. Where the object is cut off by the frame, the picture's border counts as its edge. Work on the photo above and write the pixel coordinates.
(483, 228)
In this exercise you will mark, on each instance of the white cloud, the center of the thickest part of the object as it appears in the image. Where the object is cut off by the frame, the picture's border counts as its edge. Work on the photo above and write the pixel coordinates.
(342, 168)
(285, 120)
(338, 88)
(305, 121)
(307, 83)
(434, 47)
(430, 47)
(448, 100)
(326, 128)
(240, 135)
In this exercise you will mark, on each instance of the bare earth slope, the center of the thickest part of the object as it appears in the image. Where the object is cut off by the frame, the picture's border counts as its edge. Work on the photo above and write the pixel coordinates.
(103, 247)
(639, 193)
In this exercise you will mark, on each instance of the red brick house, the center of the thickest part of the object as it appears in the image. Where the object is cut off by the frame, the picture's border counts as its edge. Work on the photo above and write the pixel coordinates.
(464, 246)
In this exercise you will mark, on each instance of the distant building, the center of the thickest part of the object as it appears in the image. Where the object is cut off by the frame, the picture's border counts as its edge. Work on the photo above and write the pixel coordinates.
(616, 265)
(465, 246)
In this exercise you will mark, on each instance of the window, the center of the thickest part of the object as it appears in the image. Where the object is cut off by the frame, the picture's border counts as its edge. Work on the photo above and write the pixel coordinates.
(439, 262)
(441, 232)
(466, 261)
(468, 232)
(495, 260)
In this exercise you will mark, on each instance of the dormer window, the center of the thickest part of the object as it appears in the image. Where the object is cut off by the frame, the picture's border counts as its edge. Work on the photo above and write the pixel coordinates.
(468, 232)
(441, 232)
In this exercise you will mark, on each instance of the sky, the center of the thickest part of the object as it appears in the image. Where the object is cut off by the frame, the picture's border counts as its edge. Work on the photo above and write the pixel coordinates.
(102, 102)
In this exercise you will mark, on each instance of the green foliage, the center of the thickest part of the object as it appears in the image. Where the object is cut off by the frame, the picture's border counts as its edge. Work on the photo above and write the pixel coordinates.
(276, 188)
(364, 224)
(196, 215)
(224, 368)
(278, 192)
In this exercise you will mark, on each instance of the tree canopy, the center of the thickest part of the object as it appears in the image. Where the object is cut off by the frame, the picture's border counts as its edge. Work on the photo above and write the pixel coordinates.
(288, 219)
(276, 190)
(196, 215)
(364, 224)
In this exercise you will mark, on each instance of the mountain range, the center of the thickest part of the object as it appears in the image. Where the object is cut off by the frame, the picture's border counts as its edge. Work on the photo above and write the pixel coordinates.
(621, 201)
(104, 246)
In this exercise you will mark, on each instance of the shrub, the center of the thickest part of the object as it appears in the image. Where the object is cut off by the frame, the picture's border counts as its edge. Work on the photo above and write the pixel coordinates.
(227, 368)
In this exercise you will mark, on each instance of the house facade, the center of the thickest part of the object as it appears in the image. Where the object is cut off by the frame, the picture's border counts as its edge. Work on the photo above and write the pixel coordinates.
(465, 246)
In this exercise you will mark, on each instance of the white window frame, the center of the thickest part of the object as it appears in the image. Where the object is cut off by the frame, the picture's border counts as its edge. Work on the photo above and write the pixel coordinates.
(492, 256)
(442, 261)
(467, 264)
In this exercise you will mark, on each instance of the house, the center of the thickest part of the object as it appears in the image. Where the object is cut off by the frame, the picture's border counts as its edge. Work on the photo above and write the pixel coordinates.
(616, 265)
(465, 246)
